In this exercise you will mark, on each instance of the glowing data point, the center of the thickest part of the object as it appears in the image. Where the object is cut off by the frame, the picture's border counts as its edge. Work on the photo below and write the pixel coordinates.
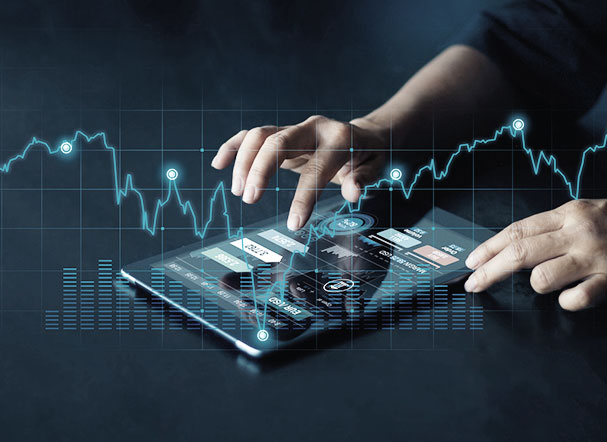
(263, 335)
(518, 124)
(172, 174)
(396, 174)
(66, 147)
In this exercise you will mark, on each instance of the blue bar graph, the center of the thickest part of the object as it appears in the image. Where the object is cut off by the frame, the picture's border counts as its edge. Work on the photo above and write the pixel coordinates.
(408, 301)
(70, 319)
(105, 277)
(441, 307)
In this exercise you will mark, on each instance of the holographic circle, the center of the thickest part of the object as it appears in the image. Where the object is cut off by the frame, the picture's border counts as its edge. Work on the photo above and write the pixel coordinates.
(347, 224)
(263, 335)
(518, 124)
(66, 147)
(396, 174)
(172, 174)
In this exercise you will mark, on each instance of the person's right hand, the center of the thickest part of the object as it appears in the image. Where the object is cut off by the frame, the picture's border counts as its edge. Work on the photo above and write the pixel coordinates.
(319, 148)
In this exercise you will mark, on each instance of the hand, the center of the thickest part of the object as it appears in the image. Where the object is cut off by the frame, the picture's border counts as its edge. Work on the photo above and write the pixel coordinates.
(563, 246)
(318, 148)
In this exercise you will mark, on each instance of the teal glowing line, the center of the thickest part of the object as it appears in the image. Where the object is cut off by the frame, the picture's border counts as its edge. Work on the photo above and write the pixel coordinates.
(149, 220)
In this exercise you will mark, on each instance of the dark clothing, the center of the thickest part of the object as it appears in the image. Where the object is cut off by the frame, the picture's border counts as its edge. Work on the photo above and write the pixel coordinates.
(554, 51)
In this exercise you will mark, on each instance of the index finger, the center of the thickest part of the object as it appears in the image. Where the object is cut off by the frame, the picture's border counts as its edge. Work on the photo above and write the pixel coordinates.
(523, 254)
(289, 142)
(534, 225)
(319, 170)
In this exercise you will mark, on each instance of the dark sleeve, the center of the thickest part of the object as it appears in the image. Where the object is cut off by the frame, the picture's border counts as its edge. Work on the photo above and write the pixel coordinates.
(554, 51)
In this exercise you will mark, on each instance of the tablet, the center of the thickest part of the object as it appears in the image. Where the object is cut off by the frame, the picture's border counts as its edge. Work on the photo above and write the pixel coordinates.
(265, 288)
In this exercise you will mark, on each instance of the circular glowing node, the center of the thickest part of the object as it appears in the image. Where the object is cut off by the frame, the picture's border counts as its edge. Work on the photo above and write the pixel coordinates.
(396, 174)
(263, 335)
(172, 174)
(66, 147)
(518, 124)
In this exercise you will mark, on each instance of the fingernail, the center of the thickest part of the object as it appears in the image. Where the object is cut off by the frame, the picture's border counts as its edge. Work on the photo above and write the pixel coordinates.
(294, 222)
(472, 261)
(249, 194)
(214, 162)
(237, 185)
(470, 284)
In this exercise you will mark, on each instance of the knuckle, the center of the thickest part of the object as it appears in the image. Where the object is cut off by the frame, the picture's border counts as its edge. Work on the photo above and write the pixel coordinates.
(540, 280)
(575, 263)
(316, 119)
(277, 141)
(341, 131)
(518, 252)
(578, 207)
(572, 205)
(515, 231)
(588, 226)
(258, 132)
(337, 136)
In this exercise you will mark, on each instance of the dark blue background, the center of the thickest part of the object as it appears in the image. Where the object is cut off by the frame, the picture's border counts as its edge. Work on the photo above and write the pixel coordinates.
(165, 80)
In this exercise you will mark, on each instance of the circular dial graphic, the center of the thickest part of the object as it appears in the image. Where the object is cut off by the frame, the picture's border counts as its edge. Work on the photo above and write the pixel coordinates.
(347, 224)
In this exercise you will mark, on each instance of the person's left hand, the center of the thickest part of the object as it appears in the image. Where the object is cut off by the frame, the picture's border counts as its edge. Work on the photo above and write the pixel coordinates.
(563, 246)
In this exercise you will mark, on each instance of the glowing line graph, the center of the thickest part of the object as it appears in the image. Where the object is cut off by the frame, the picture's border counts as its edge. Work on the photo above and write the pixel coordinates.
(149, 219)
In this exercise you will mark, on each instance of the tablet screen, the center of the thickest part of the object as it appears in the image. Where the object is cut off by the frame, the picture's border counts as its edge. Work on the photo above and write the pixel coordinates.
(267, 286)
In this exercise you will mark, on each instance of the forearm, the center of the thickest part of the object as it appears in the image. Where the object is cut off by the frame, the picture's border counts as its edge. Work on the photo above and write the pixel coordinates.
(459, 81)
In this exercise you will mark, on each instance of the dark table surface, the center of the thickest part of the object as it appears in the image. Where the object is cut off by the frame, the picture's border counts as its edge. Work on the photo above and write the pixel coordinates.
(164, 84)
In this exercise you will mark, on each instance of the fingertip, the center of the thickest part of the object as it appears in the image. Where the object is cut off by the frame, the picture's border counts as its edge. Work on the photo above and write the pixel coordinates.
(219, 161)
(568, 300)
(472, 261)
(350, 193)
(237, 185)
(351, 190)
(250, 194)
(294, 222)
(565, 302)
(471, 284)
